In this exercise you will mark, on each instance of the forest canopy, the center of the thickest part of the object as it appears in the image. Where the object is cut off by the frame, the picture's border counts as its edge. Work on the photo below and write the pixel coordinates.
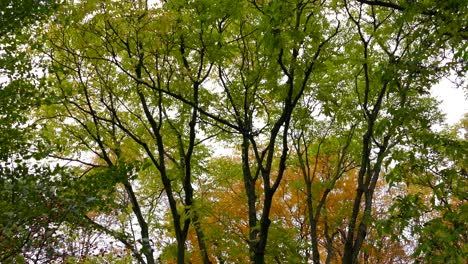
(250, 131)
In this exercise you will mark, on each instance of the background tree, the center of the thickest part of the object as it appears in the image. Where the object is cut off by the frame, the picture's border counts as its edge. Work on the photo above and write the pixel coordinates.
(430, 181)
(388, 84)
(149, 63)
(28, 224)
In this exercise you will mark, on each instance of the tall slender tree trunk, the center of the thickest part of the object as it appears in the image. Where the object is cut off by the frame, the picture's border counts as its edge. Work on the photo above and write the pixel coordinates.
(249, 185)
(201, 241)
(147, 249)
(313, 224)
(181, 251)
(264, 226)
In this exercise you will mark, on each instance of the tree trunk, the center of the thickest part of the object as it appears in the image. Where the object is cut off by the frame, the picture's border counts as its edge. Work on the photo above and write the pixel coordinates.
(201, 240)
(181, 251)
(147, 249)
(249, 184)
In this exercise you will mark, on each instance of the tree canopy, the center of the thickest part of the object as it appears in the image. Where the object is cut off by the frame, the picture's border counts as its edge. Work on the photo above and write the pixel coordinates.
(114, 117)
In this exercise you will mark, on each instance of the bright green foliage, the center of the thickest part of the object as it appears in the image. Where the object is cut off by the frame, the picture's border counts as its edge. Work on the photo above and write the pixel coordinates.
(19, 88)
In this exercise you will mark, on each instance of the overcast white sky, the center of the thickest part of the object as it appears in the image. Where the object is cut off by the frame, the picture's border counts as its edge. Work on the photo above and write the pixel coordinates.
(453, 101)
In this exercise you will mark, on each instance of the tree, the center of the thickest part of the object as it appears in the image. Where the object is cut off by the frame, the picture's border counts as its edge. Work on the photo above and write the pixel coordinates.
(323, 156)
(430, 181)
(398, 67)
(266, 81)
(91, 100)
(28, 223)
